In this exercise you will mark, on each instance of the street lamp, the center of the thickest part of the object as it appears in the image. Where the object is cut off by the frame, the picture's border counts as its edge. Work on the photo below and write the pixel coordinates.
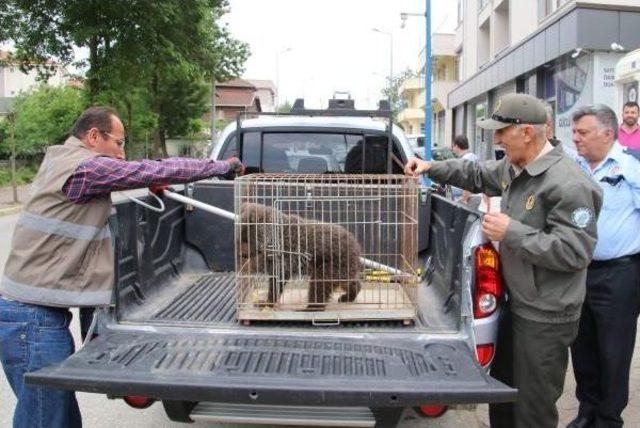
(390, 52)
(278, 74)
(427, 75)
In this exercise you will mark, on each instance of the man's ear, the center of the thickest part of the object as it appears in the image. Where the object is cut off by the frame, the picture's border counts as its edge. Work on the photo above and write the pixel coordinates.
(90, 139)
(529, 132)
(610, 134)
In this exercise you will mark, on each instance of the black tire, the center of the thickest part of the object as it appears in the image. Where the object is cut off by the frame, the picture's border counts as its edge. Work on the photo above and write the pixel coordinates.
(387, 417)
(179, 411)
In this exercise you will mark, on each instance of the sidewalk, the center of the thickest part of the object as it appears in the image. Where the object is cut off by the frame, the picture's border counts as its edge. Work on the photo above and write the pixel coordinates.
(7, 206)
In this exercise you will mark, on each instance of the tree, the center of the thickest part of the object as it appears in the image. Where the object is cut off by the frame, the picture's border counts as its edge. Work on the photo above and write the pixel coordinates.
(392, 90)
(285, 107)
(45, 116)
(136, 48)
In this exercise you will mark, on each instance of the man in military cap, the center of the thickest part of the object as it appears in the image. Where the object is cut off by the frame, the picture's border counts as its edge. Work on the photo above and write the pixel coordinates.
(547, 234)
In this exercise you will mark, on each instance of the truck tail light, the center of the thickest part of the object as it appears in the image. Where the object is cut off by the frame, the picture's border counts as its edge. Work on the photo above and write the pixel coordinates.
(433, 410)
(485, 353)
(488, 281)
(137, 401)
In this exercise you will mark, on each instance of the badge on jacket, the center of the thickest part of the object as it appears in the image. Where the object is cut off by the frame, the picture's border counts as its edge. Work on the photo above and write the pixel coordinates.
(581, 217)
(531, 201)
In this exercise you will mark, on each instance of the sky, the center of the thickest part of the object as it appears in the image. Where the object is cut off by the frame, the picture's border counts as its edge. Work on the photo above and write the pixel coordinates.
(323, 46)
(332, 43)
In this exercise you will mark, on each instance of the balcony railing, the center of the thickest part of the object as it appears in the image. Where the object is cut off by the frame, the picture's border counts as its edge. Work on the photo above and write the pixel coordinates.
(412, 84)
(409, 114)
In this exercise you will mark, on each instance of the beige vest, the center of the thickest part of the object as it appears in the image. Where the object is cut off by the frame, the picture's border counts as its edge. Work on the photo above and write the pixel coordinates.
(61, 252)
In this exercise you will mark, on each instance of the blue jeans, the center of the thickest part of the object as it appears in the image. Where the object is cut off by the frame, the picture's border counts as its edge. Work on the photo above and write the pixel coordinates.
(33, 337)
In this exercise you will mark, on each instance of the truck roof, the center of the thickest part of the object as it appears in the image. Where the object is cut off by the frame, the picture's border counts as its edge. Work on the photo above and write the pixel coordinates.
(315, 122)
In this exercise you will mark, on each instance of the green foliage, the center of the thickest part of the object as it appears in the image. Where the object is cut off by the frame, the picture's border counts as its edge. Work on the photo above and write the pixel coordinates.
(284, 108)
(139, 121)
(391, 91)
(220, 124)
(151, 59)
(24, 175)
(44, 117)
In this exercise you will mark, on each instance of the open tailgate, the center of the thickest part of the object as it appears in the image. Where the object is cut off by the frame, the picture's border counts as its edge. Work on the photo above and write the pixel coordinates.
(293, 369)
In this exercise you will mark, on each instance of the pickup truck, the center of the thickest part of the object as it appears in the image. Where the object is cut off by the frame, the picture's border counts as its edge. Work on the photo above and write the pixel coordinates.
(171, 334)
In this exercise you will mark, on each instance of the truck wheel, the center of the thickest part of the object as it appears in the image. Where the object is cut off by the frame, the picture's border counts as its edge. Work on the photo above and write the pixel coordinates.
(387, 417)
(179, 411)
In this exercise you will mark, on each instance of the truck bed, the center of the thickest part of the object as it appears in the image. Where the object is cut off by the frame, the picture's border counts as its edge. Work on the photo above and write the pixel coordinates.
(177, 268)
(173, 334)
(208, 300)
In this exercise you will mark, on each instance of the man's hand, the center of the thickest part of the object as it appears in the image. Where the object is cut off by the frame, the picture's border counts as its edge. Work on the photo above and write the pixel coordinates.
(158, 189)
(416, 167)
(495, 225)
(235, 165)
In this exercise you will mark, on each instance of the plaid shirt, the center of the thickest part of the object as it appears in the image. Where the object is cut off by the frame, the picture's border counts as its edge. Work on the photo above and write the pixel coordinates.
(102, 175)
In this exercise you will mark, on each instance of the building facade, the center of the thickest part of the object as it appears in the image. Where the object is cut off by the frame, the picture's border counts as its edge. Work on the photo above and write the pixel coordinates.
(13, 81)
(563, 51)
(266, 92)
(443, 80)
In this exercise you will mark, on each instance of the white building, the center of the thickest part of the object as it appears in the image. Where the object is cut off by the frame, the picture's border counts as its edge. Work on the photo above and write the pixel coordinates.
(563, 51)
(266, 92)
(13, 81)
(443, 80)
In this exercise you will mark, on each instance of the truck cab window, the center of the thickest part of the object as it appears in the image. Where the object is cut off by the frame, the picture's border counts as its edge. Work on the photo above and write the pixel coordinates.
(251, 151)
(369, 156)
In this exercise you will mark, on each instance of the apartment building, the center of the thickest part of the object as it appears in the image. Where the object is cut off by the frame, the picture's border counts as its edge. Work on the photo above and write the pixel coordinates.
(563, 51)
(13, 81)
(443, 80)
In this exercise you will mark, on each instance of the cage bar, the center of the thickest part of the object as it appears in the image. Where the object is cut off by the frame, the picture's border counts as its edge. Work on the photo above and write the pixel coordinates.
(326, 247)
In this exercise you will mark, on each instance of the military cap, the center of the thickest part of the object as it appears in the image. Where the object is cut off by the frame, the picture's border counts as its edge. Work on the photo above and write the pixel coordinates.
(516, 109)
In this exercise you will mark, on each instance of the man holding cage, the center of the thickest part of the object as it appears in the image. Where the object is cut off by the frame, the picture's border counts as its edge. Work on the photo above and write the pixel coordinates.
(61, 253)
(547, 235)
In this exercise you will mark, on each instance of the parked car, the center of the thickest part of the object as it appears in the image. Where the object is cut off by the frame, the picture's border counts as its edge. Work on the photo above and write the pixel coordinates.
(437, 153)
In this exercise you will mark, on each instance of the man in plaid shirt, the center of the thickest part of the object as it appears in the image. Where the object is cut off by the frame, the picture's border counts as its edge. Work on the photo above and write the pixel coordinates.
(61, 254)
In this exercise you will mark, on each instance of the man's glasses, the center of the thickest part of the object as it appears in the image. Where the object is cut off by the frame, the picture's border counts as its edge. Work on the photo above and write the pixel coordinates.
(119, 141)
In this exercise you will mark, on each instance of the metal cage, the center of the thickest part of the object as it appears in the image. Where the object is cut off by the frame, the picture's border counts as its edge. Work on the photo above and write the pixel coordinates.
(326, 247)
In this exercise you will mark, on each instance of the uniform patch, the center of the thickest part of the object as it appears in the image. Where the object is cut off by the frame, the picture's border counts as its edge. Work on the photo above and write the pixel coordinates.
(531, 201)
(504, 185)
(581, 217)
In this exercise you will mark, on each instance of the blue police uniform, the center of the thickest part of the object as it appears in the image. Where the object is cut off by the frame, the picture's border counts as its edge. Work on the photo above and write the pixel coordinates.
(619, 222)
(602, 352)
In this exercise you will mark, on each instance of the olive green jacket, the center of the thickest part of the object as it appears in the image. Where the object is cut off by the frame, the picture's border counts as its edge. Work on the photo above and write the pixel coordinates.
(553, 207)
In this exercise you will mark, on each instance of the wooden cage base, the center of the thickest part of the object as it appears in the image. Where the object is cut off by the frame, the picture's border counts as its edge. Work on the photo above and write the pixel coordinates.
(375, 302)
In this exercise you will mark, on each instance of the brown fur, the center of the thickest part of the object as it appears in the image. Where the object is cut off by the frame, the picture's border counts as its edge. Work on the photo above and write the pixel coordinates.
(328, 253)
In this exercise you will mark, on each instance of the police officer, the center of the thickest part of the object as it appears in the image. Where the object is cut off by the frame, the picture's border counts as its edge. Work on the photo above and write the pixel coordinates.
(547, 233)
(602, 352)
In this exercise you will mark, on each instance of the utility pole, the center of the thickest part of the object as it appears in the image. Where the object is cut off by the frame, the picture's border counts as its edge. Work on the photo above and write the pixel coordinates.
(12, 143)
(427, 83)
(427, 79)
(278, 75)
(213, 108)
(387, 33)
